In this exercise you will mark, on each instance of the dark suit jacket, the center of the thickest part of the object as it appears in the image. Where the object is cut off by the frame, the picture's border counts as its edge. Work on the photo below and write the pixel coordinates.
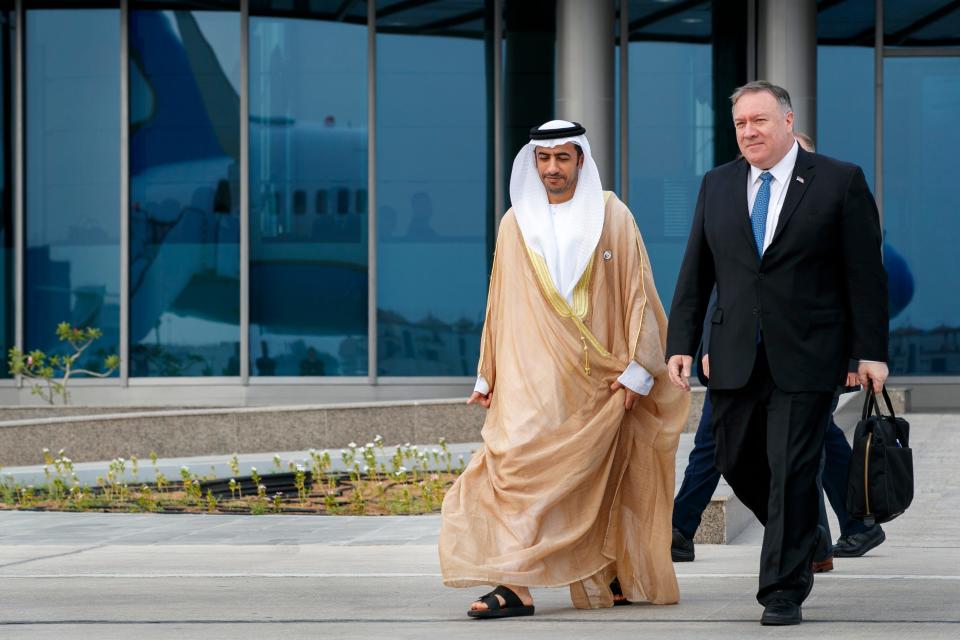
(819, 295)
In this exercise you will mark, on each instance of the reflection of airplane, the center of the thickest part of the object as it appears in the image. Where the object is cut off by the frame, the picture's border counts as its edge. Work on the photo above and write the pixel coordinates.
(899, 281)
(308, 197)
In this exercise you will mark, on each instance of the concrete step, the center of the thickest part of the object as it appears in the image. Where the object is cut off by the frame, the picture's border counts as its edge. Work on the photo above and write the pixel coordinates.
(204, 438)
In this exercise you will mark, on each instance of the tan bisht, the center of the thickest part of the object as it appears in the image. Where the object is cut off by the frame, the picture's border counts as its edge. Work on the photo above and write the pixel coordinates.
(569, 488)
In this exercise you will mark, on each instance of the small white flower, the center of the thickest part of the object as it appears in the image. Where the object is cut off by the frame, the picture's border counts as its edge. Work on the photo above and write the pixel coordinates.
(436, 451)
(369, 445)
(352, 445)
(185, 468)
(300, 467)
(402, 470)
(252, 469)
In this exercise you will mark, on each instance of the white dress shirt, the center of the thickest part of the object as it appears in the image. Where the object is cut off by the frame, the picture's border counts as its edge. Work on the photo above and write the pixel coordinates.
(782, 174)
(634, 377)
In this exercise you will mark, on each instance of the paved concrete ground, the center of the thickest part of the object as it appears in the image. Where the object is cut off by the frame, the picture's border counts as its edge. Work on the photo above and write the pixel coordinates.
(180, 576)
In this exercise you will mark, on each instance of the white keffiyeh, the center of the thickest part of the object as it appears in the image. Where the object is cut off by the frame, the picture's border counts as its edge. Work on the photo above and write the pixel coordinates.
(567, 251)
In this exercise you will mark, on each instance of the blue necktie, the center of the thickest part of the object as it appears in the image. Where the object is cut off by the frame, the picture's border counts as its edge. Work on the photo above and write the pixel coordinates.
(758, 217)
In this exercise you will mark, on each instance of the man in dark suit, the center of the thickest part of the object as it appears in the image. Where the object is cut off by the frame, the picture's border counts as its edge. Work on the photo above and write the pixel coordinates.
(791, 240)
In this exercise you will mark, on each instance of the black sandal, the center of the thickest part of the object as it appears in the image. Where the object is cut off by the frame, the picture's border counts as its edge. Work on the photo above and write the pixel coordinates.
(513, 606)
(618, 591)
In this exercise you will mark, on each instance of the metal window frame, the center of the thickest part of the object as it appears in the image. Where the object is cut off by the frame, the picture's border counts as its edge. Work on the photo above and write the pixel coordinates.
(372, 193)
(18, 178)
(921, 52)
(124, 192)
(244, 193)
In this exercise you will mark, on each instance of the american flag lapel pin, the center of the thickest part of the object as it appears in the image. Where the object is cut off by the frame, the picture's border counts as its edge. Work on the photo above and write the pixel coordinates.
(800, 179)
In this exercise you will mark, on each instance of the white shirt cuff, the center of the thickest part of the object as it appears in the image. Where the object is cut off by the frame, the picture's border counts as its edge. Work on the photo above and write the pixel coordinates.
(482, 387)
(636, 378)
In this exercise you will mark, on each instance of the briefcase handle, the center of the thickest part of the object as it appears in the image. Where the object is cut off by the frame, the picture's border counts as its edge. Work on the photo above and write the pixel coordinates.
(872, 405)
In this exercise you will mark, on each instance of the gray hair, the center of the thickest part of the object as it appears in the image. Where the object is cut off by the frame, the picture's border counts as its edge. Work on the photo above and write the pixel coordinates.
(781, 94)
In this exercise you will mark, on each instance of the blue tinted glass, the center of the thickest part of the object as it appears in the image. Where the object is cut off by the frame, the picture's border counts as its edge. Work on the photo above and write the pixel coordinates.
(184, 193)
(308, 197)
(433, 193)
(72, 195)
(845, 105)
(920, 205)
(671, 147)
(6, 210)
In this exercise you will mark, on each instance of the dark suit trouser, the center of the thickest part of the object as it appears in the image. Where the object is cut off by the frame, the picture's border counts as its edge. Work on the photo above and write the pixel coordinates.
(700, 478)
(769, 443)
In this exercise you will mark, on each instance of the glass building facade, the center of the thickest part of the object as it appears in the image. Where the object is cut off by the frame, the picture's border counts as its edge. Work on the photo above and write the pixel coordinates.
(273, 192)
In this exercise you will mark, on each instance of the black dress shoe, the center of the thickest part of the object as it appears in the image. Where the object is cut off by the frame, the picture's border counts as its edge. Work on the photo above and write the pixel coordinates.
(681, 549)
(781, 613)
(857, 544)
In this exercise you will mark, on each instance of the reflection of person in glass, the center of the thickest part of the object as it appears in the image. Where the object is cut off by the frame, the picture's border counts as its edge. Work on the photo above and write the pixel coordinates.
(574, 480)
(233, 364)
(420, 228)
(311, 365)
(266, 366)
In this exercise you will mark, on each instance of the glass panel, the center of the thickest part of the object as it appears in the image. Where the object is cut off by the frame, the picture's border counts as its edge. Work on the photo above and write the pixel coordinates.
(434, 189)
(657, 20)
(671, 147)
(184, 193)
(845, 105)
(308, 197)
(72, 198)
(913, 23)
(921, 201)
(850, 22)
(6, 208)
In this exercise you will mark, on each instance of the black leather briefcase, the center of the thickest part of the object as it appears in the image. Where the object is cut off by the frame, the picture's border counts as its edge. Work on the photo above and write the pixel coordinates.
(880, 484)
